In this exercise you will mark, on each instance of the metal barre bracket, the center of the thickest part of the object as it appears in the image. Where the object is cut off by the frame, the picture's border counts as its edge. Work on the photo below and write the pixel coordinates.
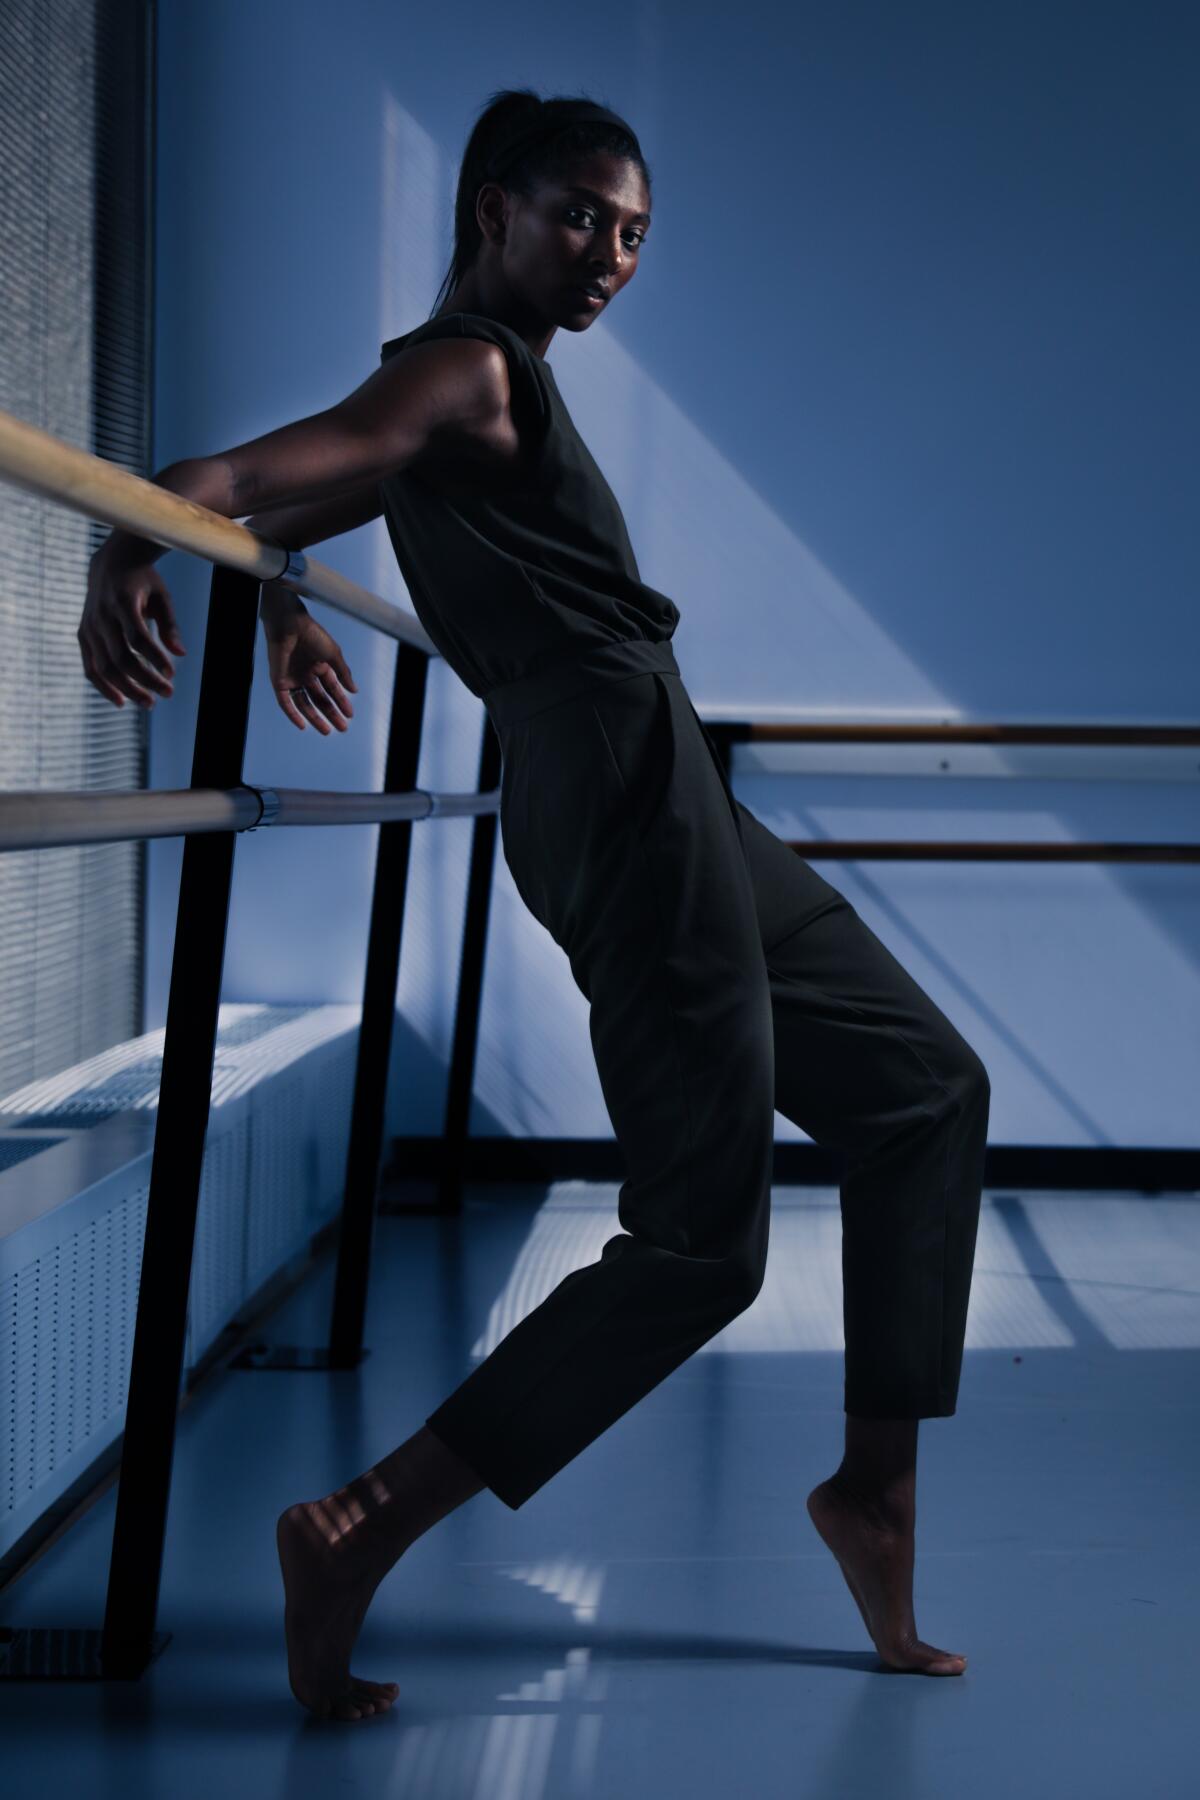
(268, 805)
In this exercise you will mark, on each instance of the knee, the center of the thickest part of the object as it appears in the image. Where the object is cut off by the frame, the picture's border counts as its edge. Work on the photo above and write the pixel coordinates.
(965, 1096)
(979, 1086)
(746, 1284)
(967, 1080)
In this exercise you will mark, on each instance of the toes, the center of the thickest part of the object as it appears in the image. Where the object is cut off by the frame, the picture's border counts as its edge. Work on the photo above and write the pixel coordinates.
(921, 1659)
(375, 1690)
(358, 1704)
(373, 1696)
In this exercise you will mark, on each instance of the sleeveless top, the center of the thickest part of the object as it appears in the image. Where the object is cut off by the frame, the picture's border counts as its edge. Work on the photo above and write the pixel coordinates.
(510, 582)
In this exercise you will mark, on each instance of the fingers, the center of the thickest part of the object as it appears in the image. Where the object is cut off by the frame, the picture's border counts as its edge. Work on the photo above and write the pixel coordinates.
(113, 677)
(110, 661)
(333, 691)
(298, 704)
(321, 702)
(142, 642)
(160, 609)
(99, 681)
(288, 707)
(122, 657)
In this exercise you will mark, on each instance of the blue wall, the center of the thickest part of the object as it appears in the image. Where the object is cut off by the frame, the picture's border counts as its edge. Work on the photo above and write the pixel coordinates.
(900, 407)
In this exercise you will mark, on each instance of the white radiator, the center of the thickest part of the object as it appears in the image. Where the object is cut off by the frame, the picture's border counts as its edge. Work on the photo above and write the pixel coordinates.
(75, 1152)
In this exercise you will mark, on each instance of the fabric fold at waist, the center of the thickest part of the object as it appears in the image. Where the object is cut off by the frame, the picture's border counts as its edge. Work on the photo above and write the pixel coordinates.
(576, 674)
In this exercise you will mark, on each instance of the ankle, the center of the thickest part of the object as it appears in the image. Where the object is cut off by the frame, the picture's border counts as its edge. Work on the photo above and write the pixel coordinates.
(891, 1503)
(400, 1497)
(880, 1456)
(360, 1539)
(382, 1530)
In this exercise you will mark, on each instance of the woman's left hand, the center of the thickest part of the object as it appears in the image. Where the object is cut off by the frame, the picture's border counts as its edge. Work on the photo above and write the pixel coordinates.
(302, 655)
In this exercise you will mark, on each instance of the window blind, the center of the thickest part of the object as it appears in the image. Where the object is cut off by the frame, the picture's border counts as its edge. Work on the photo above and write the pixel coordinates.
(76, 137)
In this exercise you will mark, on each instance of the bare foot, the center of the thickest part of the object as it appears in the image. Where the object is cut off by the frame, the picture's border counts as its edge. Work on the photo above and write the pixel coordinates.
(875, 1551)
(328, 1582)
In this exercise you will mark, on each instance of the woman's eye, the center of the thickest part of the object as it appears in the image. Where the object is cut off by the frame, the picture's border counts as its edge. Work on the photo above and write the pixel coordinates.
(638, 236)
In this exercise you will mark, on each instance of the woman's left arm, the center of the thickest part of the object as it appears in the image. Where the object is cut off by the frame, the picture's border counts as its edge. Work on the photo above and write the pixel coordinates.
(309, 522)
(312, 521)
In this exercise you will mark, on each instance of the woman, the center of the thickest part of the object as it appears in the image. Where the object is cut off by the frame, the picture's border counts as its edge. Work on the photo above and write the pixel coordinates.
(726, 977)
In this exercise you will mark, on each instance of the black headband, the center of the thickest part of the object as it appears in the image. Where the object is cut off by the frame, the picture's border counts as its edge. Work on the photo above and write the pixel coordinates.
(548, 125)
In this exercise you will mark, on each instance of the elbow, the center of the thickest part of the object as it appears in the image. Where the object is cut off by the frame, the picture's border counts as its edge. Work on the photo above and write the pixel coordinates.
(208, 481)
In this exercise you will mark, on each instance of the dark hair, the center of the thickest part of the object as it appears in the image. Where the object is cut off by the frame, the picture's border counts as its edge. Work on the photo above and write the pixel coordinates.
(504, 114)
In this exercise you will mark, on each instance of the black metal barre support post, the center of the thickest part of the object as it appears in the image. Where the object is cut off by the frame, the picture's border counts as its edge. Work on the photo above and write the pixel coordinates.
(345, 1348)
(156, 1370)
(129, 1641)
(378, 1016)
(461, 1081)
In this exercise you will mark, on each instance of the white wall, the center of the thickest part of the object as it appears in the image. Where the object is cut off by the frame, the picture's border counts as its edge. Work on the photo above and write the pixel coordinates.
(901, 411)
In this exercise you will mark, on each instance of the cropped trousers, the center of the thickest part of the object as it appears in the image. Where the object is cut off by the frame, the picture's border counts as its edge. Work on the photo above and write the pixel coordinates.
(726, 980)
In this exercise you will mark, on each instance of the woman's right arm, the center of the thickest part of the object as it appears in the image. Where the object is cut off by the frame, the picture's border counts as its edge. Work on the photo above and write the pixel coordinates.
(441, 393)
(437, 391)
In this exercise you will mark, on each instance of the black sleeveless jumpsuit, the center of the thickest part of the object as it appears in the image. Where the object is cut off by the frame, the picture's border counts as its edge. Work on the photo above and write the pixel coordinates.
(726, 978)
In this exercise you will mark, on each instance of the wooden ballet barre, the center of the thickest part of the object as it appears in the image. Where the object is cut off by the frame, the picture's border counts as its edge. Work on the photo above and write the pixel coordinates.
(42, 464)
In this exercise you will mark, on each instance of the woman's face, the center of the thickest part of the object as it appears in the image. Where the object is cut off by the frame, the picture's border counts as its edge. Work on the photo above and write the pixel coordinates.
(581, 230)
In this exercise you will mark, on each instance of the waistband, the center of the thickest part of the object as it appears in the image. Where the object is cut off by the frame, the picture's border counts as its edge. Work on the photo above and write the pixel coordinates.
(575, 675)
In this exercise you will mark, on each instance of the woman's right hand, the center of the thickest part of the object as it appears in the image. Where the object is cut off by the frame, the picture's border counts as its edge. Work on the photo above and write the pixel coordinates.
(121, 656)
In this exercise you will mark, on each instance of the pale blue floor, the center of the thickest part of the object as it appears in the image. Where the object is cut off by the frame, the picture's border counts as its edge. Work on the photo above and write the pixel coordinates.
(661, 1620)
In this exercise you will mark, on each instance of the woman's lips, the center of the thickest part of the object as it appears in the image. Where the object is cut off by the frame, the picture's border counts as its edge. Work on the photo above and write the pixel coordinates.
(592, 300)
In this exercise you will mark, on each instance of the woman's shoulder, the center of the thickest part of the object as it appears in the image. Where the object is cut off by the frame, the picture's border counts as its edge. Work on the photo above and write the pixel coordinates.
(533, 406)
(458, 324)
(530, 406)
